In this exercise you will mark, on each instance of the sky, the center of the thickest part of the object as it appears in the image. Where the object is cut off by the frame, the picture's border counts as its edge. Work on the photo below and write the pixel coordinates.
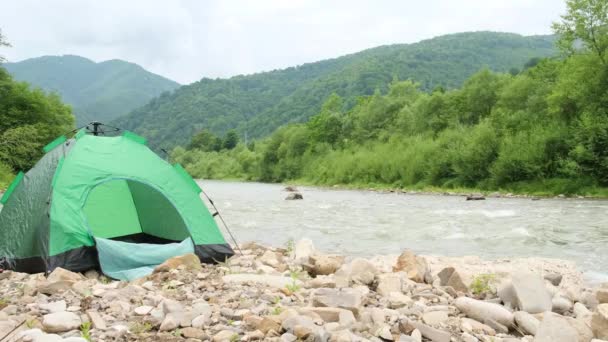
(186, 40)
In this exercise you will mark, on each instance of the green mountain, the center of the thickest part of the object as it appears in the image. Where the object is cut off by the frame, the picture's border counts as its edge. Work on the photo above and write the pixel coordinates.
(259, 103)
(97, 91)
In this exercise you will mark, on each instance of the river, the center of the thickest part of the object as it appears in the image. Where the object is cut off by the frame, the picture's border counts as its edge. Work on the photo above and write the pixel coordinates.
(365, 223)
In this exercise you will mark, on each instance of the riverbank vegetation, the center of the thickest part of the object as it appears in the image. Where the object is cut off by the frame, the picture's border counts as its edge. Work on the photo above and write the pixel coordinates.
(542, 130)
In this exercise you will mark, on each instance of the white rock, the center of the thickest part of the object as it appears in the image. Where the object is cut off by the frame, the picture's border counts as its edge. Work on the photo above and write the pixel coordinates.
(599, 322)
(528, 323)
(435, 317)
(481, 310)
(61, 322)
(555, 328)
(303, 250)
(143, 310)
(52, 307)
(531, 294)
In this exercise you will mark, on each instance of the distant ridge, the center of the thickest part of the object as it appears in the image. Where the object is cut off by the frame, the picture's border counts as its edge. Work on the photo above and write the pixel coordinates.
(257, 104)
(97, 91)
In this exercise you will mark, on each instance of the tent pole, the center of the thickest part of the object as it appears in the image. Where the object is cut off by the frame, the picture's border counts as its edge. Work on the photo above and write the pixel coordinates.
(217, 212)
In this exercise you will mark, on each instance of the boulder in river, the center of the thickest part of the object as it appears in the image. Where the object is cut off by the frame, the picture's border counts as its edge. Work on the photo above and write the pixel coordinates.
(294, 196)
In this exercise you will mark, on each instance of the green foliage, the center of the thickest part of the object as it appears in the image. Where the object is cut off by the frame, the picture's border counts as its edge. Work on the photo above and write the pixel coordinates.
(290, 245)
(230, 140)
(586, 21)
(3, 42)
(97, 91)
(140, 327)
(542, 130)
(276, 310)
(481, 284)
(6, 175)
(85, 331)
(256, 105)
(29, 119)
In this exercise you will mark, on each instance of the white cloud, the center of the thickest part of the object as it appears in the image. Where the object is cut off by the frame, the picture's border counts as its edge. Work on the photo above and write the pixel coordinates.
(189, 39)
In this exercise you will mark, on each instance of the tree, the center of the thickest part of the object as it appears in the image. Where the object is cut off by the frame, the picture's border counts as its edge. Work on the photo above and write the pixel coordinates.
(587, 21)
(29, 119)
(205, 141)
(230, 140)
(3, 42)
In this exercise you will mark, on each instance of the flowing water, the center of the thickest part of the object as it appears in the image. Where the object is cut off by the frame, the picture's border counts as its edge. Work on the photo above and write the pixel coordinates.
(367, 223)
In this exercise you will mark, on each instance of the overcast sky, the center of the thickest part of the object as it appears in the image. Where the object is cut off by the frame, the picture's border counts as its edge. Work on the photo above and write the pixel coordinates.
(190, 39)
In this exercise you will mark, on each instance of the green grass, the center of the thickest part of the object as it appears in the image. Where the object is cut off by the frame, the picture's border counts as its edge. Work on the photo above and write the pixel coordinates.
(85, 330)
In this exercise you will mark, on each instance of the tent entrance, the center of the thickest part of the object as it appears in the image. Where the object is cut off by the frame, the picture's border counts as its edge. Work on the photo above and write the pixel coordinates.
(131, 211)
(135, 227)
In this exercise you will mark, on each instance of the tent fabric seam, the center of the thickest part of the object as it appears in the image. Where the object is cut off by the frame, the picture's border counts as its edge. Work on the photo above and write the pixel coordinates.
(11, 188)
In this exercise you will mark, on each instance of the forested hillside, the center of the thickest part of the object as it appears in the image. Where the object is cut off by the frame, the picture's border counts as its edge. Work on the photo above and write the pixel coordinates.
(257, 104)
(541, 130)
(96, 91)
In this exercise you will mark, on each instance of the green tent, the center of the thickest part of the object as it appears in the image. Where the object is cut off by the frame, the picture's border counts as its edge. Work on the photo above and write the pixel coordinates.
(107, 202)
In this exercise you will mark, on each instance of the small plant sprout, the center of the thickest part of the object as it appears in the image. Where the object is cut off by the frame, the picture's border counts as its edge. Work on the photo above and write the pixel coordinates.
(85, 330)
(290, 245)
(481, 284)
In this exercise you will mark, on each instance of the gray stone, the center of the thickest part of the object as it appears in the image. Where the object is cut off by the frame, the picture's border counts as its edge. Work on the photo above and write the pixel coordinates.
(346, 298)
(499, 328)
(362, 271)
(294, 196)
(602, 295)
(531, 294)
(52, 307)
(97, 320)
(287, 337)
(561, 304)
(324, 264)
(599, 322)
(554, 278)
(444, 275)
(303, 250)
(481, 310)
(460, 281)
(171, 322)
(170, 305)
(435, 317)
(195, 333)
(414, 266)
(61, 322)
(528, 323)
(398, 300)
(389, 282)
(346, 318)
(580, 310)
(432, 334)
(143, 310)
(555, 328)
(582, 327)
(475, 327)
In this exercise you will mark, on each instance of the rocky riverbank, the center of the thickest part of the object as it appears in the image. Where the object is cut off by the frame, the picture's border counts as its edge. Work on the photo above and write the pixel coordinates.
(300, 294)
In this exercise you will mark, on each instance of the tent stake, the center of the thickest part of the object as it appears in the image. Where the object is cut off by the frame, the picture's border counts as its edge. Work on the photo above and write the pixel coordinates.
(217, 212)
